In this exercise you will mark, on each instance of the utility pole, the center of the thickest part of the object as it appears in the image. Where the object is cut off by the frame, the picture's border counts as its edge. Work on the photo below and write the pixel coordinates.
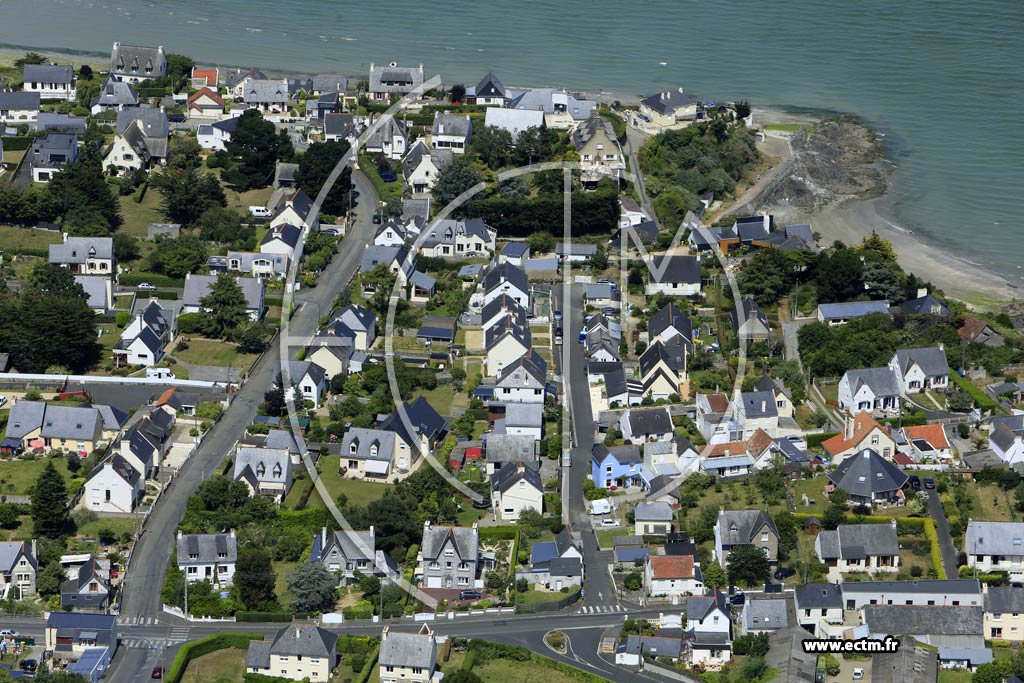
(185, 577)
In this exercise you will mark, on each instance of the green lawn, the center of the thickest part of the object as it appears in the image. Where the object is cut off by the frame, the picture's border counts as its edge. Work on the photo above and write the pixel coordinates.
(532, 597)
(138, 215)
(992, 504)
(954, 676)
(220, 666)
(385, 191)
(358, 492)
(508, 671)
(282, 570)
(440, 398)
(15, 238)
(815, 490)
(123, 302)
(17, 477)
(212, 352)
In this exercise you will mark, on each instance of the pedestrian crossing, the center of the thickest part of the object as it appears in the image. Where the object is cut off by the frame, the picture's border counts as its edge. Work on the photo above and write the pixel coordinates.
(138, 621)
(177, 636)
(601, 609)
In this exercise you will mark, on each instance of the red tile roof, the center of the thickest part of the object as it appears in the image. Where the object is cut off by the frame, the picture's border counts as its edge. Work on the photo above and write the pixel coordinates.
(209, 74)
(933, 434)
(903, 459)
(209, 93)
(719, 402)
(672, 566)
(863, 425)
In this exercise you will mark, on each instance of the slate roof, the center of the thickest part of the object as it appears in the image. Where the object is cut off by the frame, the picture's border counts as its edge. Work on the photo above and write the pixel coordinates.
(668, 101)
(866, 473)
(138, 60)
(506, 272)
(329, 83)
(852, 309)
(699, 607)
(258, 91)
(881, 381)
(198, 287)
(395, 79)
(374, 256)
(74, 586)
(747, 523)
(76, 249)
(764, 615)
(466, 540)
(589, 128)
(95, 287)
(624, 455)
(653, 646)
(653, 511)
(152, 126)
(489, 86)
(307, 640)
(649, 420)
(437, 327)
(1004, 599)
(350, 543)
(404, 649)
(514, 121)
(510, 448)
(262, 465)
(60, 122)
(994, 538)
(289, 234)
(751, 312)
(925, 305)
(931, 360)
(918, 586)
(677, 269)
(759, 404)
(424, 419)
(670, 317)
(208, 548)
(974, 655)
(930, 620)
(440, 158)
(507, 477)
(819, 596)
(10, 551)
(233, 78)
(72, 423)
(575, 249)
(550, 100)
(529, 371)
(458, 125)
(19, 101)
(116, 93)
(858, 541)
(363, 439)
(341, 125)
(49, 73)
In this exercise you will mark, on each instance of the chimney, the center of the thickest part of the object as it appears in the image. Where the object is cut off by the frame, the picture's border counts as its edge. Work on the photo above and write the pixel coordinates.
(942, 346)
(848, 427)
(179, 534)
(764, 406)
(384, 634)
(923, 291)
(231, 533)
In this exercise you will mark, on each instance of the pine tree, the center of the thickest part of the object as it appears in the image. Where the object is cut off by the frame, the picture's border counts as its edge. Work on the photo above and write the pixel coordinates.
(50, 503)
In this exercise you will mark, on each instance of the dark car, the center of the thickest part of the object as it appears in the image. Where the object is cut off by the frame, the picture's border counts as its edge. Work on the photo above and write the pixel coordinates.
(929, 483)
(176, 118)
(376, 219)
(738, 599)
(783, 573)
(915, 482)
(158, 672)
(28, 665)
(469, 595)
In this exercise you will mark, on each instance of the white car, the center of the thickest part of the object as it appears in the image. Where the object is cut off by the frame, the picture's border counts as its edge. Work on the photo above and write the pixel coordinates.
(3, 401)
(858, 674)
(146, 287)
(8, 633)
(609, 522)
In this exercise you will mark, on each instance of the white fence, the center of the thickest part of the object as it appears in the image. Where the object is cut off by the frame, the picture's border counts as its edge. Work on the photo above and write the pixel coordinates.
(25, 378)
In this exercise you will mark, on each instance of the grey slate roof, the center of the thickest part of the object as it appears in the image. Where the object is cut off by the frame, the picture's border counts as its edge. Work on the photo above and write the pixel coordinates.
(306, 640)
(764, 615)
(420, 151)
(653, 511)
(25, 417)
(506, 272)
(747, 523)
(198, 286)
(859, 541)
(394, 78)
(623, 455)
(931, 360)
(930, 620)
(670, 317)
(269, 465)
(95, 287)
(852, 309)
(233, 78)
(918, 586)
(466, 540)
(404, 649)
(866, 473)
(1004, 599)
(329, 83)
(258, 91)
(994, 538)
(698, 607)
(364, 440)
(136, 60)
(208, 549)
(72, 423)
(374, 256)
(489, 86)
(10, 551)
(668, 101)
(288, 234)
(677, 269)
(925, 305)
(508, 477)
(451, 124)
(649, 420)
(758, 404)
(510, 448)
(819, 596)
(550, 100)
(350, 543)
(881, 381)
(60, 122)
(342, 125)
(19, 101)
(116, 93)
(77, 249)
(49, 73)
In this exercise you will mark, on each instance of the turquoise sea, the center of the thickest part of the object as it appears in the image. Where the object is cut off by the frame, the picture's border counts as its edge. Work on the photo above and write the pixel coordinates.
(942, 80)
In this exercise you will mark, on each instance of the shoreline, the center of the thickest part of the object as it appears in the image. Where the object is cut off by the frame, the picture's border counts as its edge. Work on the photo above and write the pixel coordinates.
(848, 220)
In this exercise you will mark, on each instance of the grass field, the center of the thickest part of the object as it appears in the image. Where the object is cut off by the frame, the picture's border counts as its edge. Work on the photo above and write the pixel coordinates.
(440, 398)
(358, 492)
(992, 504)
(138, 215)
(14, 156)
(13, 237)
(220, 666)
(954, 676)
(17, 477)
(282, 570)
(213, 352)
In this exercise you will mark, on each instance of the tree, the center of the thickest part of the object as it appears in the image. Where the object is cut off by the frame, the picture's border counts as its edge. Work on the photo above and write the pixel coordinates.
(754, 669)
(29, 58)
(185, 153)
(314, 168)
(541, 242)
(187, 193)
(492, 145)
(126, 247)
(634, 581)
(834, 516)
(457, 93)
(748, 566)
(742, 109)
(80, 194)
(839, 275)
(714, 575)
(460, 175)
(225, 307)
(220, 224)
(179, 67)
(274, 399)
(254, 579)
(178, 257)
(312, 587)
(599, 261)
(49, 503)
(256, 147)
(8, 516)
(85, 73)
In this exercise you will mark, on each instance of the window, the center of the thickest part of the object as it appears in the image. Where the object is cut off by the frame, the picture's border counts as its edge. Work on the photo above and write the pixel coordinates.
(764, 536)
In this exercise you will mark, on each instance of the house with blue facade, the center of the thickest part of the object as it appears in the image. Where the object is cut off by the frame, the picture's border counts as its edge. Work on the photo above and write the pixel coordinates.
(616, 467)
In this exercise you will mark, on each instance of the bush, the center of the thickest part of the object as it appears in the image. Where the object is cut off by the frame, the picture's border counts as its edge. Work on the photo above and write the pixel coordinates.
(123, 318)
(205, 646)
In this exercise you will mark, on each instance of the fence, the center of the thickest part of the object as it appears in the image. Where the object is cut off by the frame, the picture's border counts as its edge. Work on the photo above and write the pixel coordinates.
(14, 379)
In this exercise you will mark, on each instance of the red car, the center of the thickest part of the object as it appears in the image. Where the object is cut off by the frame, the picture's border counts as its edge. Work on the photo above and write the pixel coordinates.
(158, 672)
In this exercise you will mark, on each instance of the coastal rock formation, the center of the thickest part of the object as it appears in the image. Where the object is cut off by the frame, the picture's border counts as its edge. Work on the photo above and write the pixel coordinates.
(835, 159)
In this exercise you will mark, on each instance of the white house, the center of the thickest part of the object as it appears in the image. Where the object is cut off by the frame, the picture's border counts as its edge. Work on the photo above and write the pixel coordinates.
(873, 548)
(84, 255)
(505, 342)
(646, 424)
(297, 210)
(450, 238)
(265, 471)
(113, 486)
(451, 131)
(522, 381)
(281, 239)
(51, 81)
(672, 576)
(708, 619)
(407, 657)
(387, 80)
(208, 557)
(920, 369)
(996, 546)
(135, 63)
(872, 390)
(819, 608)
(422, 166)
(515, 489)
(142, 140)
(198, 286)
(387, 137)
(310, 380)
(51, 153)
(513, 120)
(506, 279)
(216, 136)
(18, 108)
(674, 276)
(1006, 438)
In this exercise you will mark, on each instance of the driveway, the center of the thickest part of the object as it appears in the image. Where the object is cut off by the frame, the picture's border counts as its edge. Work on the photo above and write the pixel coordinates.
(946, 547)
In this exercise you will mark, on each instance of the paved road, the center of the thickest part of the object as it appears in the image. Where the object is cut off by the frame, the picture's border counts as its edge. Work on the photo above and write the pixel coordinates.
(946, 547)
(153, 549)
(598, 588)
(634, 140)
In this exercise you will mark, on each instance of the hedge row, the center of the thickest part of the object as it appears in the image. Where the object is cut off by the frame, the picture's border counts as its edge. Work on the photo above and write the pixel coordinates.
(910, 420)
(204, 646)
(369, 666)
(815, 440)
(983, 400)
(929, 533)
(165, 294)
(498, 533)
(155, 279)
(17, 143)
(28, 251)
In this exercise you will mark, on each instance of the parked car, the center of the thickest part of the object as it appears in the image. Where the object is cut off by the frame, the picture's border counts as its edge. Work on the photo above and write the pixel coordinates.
(558, 314)
(28, 665)
(376, 219)
(469, 595)
(609, 522)
(738, 599)
(783, 573)
(158, 672)
(176, 118)
(260, 212)
(9, 633)
(858, 674)
(3, 400)
(145, 286)
(929, 483)
(915, 482)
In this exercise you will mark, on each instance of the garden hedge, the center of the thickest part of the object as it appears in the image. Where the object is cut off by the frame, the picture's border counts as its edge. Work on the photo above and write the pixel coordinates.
(204, 646)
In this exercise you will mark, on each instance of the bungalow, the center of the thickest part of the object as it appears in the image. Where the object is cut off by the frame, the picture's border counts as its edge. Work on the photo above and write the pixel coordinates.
(345, 552)
(98, 292)
(395, 259)
(208, 557)
(267, 96)
(868, 478)
(387, 80)
(264, 471)
(448, 556)
(205, 103)
(599, 150)
(422, 287)
(920, 369)
(996, 547)
(653, 518)
(387, 137)
(764, 616)
(862, 432)
(670, 323)
(975, 331)
(17, 108)
(514, 121)
(873, 548)
(630, 213)
(636, 647)
(61, 123)
(114, 485)
(451, 131)
(668, 108)
(51, 81)
(34, 425)
(574, 252)
(84, 255)
(422, 166)
(515, 253)
(869, 390)
(840, 314)
(86, 590)
(514, 490)
(646, 424)
(674, 276)
(407, 656)
(51, 153)
(197, 287)
(69, 634)
(708, 629)
(928, 442)
(436, 329)
(615, 467)
(745, 527)
(256, 264)
(749, 322)
(114, 96)
(727, 459)
(18, 566)
(216, 136)
(921, 592)
(134, 64)
(601, 295)
(299, 652)
(964, 658)
(672, 576)
(142, 140)
(489, 92)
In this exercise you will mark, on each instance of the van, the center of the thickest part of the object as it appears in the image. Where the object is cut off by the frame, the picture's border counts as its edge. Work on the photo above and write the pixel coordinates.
(259, 212)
